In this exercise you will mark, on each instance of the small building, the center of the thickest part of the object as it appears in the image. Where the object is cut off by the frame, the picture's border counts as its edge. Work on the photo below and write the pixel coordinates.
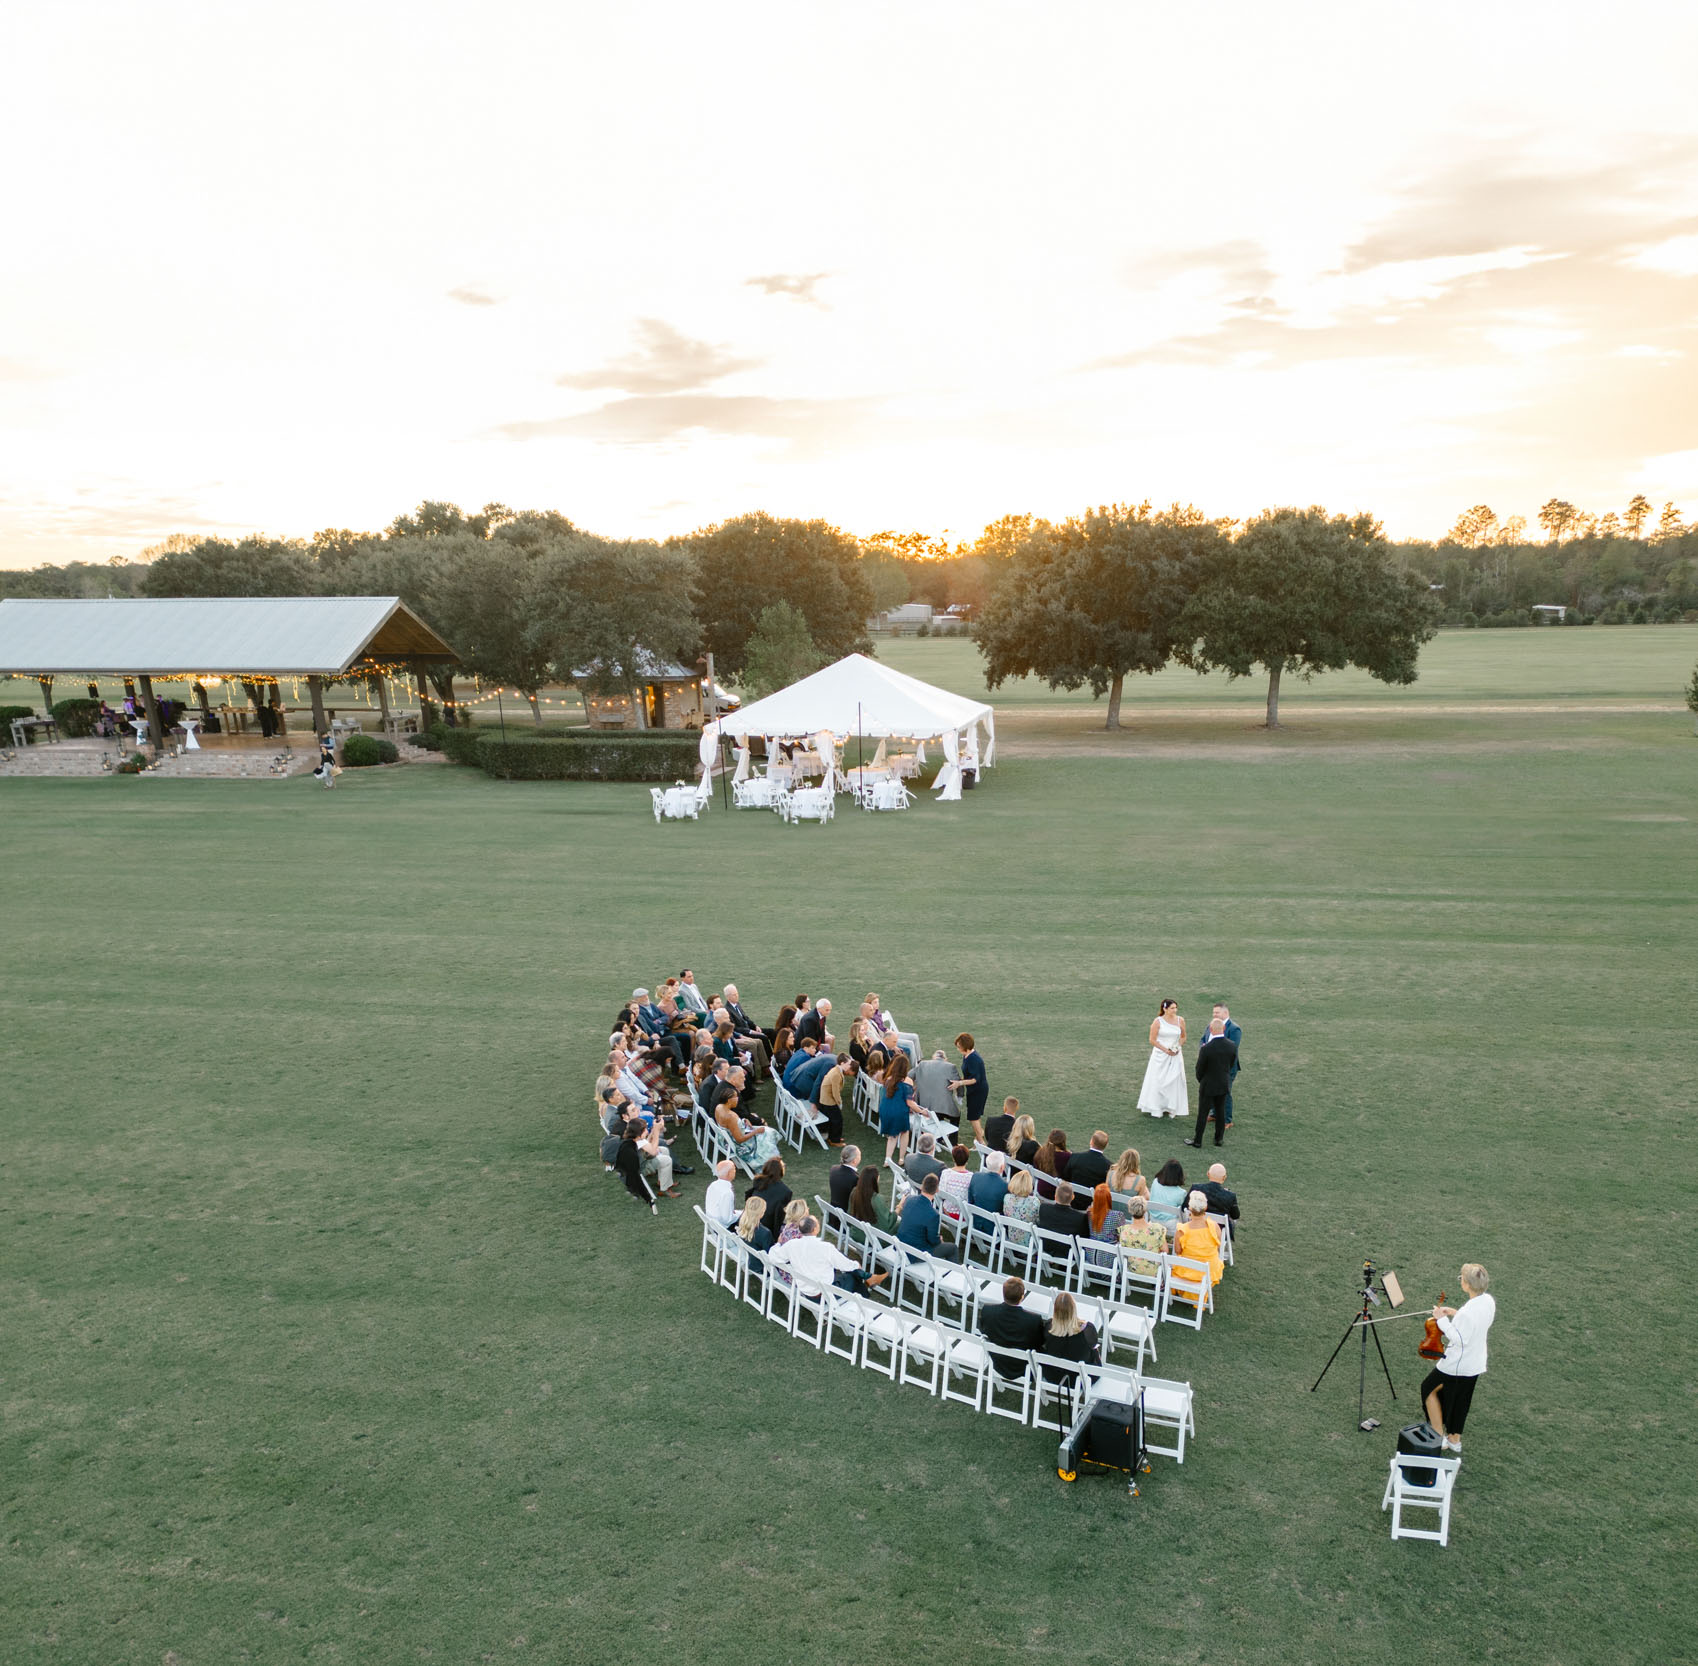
(906, 620)
(1552, 611)
(672, 697)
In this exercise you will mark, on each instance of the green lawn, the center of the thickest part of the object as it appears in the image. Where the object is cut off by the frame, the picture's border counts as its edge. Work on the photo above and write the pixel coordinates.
(1584, 663)
(327, 1338)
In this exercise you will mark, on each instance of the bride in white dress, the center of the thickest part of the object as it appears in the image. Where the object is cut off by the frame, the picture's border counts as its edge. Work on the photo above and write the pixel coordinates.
(1165, 1091)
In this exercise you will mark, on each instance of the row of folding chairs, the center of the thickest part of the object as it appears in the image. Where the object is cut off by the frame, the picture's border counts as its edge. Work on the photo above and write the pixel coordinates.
(1174, 1288)
(1122, 1200)
(796, 1119)
(930, 1286)
(945, 1359)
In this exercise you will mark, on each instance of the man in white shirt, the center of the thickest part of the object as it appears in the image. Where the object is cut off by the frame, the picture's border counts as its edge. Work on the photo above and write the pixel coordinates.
(814, 1260)
(720, 1204)
(1448, 1389)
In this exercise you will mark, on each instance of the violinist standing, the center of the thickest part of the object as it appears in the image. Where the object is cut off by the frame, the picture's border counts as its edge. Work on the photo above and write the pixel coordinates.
(1448, 1390)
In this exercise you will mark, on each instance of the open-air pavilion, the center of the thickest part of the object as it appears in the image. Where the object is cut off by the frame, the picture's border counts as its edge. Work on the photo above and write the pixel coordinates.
(249, 643)
(861, 699)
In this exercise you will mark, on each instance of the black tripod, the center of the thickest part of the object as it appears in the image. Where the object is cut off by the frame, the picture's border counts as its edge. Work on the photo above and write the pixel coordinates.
(1364, 1323)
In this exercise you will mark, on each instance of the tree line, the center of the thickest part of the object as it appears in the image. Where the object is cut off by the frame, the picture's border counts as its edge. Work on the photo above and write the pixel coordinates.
(528, 598)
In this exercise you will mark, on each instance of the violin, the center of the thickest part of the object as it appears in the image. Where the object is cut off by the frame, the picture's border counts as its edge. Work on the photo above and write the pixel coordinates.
(1432, 1339)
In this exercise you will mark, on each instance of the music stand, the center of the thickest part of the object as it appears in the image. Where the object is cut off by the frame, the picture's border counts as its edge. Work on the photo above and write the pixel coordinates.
(1364, 1322)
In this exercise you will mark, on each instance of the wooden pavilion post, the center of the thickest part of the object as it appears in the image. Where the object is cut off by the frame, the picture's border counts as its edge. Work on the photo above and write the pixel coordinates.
(315, 687)
(155, 734)
(46, 695)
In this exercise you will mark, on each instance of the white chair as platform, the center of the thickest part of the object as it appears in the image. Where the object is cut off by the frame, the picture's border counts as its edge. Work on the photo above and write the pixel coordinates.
(1402, 1494)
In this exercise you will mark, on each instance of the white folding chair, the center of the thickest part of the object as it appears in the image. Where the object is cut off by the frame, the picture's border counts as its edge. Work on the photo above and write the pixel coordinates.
(923, 1352)
(659, 799)
(1142, 1273)
(1402, 1494)
(1125, 1327)
(1223, 1225)
(882, 1334)
(964, 1357)
(713, 1246)
(845, 1325)
(757, 1280)
(1169, 1405)
(1063, 1387)
(1009, 1393)
(1190, 1287)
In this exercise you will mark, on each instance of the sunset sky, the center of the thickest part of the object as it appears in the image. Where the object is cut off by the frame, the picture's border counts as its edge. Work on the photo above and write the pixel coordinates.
(282, 267)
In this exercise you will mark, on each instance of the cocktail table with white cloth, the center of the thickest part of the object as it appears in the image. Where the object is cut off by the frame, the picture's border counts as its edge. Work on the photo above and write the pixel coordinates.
(189, 725)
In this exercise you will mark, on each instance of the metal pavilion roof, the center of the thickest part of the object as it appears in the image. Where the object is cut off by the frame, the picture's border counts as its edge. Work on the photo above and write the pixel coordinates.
(215, 635)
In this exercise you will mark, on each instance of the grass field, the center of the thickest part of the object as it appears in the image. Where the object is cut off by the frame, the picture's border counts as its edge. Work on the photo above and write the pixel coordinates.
(326, 1338)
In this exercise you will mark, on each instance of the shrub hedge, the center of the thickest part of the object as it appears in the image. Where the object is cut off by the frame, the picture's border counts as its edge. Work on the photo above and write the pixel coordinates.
(362, 751)
(76, 718)
(459, 744)
(661, 755)
(7, 713)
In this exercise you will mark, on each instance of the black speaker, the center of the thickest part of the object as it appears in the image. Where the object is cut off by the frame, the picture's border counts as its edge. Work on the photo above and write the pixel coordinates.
(1420, 1440)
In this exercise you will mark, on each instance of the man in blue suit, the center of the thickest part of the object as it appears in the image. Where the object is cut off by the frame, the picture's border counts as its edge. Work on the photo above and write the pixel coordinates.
(920, 1227)
(804, 1083)
(1236, 1036)
(804, 1055)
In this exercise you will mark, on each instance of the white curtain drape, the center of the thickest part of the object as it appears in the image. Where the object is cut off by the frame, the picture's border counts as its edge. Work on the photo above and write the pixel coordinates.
(990, 740)
(948, 782)
(708, 751)
(827, 749)
(878, 756)
(742, 764)
(973, 747)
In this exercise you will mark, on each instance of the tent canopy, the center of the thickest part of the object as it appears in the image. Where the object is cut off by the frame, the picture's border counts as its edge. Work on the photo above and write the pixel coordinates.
(222, 636)
(857, 695)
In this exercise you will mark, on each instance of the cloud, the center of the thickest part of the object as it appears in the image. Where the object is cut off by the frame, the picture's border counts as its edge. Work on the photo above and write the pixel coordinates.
(666, 361)
(1678, 255)
(468, 296)
(1673, 474)
(1472, 265)
(809, 425)
(799, 286)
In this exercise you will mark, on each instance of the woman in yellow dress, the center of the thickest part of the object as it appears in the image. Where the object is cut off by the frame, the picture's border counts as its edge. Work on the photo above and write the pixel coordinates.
(1197, 1239)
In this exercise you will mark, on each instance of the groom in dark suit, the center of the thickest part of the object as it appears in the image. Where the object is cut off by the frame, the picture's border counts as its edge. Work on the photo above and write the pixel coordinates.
(1215, 1059)
(1236, 1036)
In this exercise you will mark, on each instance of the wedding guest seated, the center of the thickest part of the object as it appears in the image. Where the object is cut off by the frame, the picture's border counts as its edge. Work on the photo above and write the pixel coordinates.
(1021, 1204)
(989, 1186)
(783, 1050)
(1000, 1126)
(954, 1182)
(1006, 1324)
(753, 1142)
(1060, 1215)
(813, 1259)
(1088, 1169)
(1140, 1232)
(1022, 1142)
(1067, 1337)
(1106, 1220)
(741, 1022)
(923, 1162)
(1221, 1201)
(795, 1212)
(842, 1176)
(1051, 1162)
(752, 1227)
(1168, 1191)
(920, 1226)
(689, 995)
(865, 1204)
(1126, 1178)
(786, 1021)
(720, 1203)
(770, 1188)
(725, 1044)
(812, 1023)
(1197, 1238)
(860, 1043)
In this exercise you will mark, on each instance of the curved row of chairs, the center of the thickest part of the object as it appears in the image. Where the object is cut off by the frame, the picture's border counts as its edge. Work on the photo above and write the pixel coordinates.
(925, 1285)
(1172, 1287)
(947, 1361)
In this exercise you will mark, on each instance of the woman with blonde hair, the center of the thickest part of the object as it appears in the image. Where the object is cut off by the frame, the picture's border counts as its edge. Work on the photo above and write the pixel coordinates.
(1023, 1142)
(1067, 1336)
(1021, 1204)
(751, 1227)
(1127, 1176)
(1448, 1390)
(795, 1213)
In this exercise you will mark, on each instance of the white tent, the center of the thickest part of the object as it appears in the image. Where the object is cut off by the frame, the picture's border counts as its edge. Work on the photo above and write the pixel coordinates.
(859, 696)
